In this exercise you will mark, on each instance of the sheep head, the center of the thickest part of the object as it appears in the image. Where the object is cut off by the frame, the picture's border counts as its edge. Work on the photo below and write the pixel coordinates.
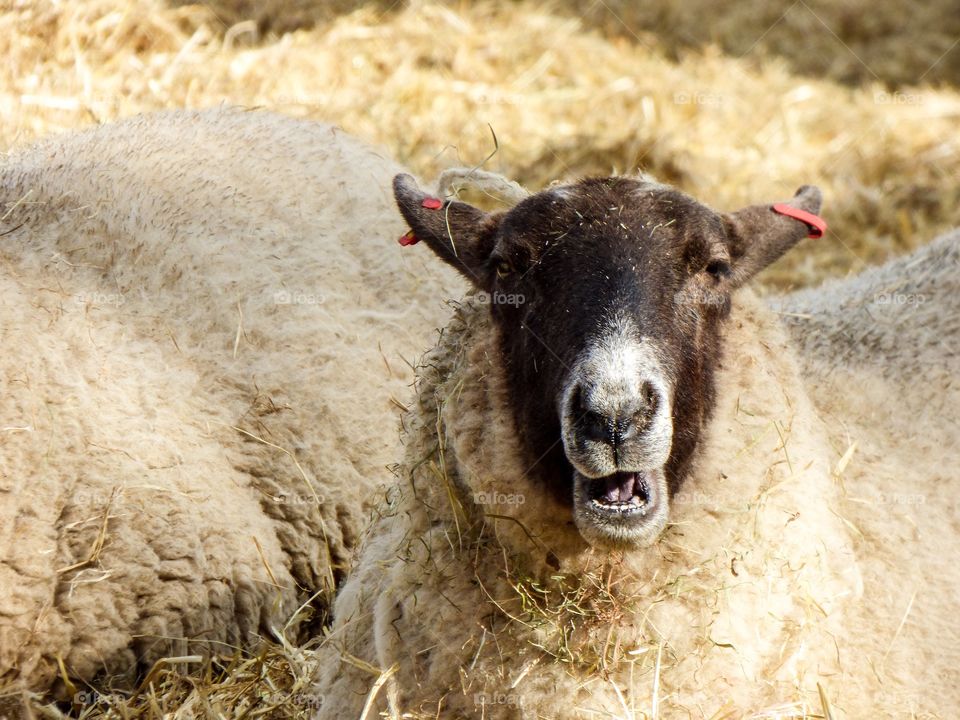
(608, 296)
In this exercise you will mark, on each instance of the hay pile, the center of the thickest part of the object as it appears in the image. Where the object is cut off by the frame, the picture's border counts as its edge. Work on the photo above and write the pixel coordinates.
(854, 41)
(885, 43)
(625, 87)
(274, 684)
(429, 81)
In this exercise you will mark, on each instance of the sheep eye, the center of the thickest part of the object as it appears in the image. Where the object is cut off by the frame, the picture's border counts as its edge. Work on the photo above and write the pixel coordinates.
(718, 268)
(504, 268)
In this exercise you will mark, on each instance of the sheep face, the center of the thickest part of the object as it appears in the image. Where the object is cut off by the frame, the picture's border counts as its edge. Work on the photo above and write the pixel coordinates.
(608, 297)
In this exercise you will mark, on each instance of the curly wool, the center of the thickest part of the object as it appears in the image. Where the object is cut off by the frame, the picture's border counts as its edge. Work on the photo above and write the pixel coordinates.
(206, 322)
(454, 180)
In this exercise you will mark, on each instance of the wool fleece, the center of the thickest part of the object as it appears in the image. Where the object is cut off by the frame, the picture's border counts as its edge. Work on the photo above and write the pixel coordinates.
(206, 327)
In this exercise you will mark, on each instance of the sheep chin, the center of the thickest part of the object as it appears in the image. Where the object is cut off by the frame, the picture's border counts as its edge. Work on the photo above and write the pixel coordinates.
(611, 529)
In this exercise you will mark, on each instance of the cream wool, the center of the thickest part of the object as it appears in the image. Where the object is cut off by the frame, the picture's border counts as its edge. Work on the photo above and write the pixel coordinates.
(881, 353)
(205, 321)
(474, 582)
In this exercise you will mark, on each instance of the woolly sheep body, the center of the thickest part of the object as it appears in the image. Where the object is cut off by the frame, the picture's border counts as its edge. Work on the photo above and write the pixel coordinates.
(733, 627)
(881, 354)
(205, 320)
(760, 589)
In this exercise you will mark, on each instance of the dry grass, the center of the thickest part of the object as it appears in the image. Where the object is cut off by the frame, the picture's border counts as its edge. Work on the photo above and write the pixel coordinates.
(430, 80)
(892, 42)
(273, 684)
(630, 85)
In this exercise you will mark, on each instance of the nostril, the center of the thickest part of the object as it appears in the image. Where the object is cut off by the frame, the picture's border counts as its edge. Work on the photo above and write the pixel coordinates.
(596, 427)
(591, 425)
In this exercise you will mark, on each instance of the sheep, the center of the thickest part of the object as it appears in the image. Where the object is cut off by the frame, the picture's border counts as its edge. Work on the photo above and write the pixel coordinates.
(621, 495)
(879, 353)
(205, 335)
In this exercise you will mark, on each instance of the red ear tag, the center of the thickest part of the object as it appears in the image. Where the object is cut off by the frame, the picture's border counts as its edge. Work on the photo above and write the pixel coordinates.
(432, 203)
(408, 238)
(816, 225)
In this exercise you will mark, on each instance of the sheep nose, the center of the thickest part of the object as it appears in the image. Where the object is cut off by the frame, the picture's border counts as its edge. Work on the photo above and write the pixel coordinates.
(615, 421)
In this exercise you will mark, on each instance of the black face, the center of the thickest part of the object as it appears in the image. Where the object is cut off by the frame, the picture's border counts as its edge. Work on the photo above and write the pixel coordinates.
(608, 296)
(587, 265)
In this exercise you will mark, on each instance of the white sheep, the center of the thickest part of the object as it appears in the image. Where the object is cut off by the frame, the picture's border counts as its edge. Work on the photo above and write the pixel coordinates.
(478, 593)
(880, 354)
(206, 327)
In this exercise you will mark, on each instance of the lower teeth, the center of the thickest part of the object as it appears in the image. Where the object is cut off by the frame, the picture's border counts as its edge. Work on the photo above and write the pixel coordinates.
(633, 502)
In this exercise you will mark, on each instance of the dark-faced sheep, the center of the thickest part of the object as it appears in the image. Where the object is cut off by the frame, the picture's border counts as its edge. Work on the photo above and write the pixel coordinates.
(619, 499)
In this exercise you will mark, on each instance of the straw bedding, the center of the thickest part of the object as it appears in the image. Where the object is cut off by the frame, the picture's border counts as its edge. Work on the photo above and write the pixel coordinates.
(624, 87)
(429, 80)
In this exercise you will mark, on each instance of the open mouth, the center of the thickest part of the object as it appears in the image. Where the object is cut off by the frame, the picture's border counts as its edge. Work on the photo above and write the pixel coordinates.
(626, 509)
(623, 492)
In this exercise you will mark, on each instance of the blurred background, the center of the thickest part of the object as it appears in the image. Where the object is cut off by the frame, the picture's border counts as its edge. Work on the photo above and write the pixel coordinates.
(734, 102)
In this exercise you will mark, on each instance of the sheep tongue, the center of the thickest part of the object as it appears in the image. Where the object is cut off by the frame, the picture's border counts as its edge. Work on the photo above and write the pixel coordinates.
(619, 487)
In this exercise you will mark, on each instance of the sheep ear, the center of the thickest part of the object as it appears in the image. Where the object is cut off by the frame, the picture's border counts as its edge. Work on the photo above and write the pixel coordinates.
(759, 234)
(460, 234)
